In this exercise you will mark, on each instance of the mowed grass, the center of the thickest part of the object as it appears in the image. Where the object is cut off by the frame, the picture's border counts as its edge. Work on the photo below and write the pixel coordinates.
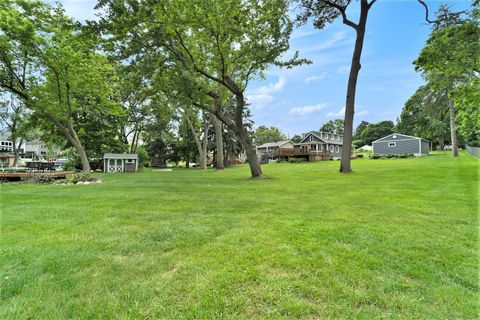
(397, 239)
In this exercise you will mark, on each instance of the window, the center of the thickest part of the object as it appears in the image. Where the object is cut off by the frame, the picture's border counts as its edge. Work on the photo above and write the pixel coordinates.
(311, 138)
(392, 144)
(331, 148)
(337, 149)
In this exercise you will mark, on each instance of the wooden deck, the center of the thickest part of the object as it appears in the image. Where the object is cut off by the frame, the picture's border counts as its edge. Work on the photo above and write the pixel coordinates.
(15, 176)
(311, 154)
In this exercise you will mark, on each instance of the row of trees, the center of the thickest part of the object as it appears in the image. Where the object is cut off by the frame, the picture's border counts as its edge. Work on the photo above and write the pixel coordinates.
(446, 107)
(173, 74)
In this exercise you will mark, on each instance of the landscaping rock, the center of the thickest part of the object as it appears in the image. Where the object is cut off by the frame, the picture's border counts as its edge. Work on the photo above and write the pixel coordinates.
(98, 181)
(86, 182)
(79, 182)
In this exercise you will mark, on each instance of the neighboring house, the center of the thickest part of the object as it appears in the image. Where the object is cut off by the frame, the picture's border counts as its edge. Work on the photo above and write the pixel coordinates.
(6, 144)
(400, 143)
(6, 159)
(322, 142)
(35, 148)
(270, 151)
(274, 146)
(120, 162)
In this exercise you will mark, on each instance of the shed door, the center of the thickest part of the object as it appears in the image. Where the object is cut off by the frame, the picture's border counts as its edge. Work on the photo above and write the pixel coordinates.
(115, 165)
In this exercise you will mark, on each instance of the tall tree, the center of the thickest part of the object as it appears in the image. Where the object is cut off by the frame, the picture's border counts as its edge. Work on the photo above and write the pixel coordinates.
(450, 59)
(265, 134)
(49, 63)
(376, 131)
(333, 126)
(200, 138)
(226, 42)
(425, 115)
(358, 131)
(324, 12)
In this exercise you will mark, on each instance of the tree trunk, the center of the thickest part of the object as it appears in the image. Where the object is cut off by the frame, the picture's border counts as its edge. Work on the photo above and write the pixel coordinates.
(453, 130)
(218, 142)
(345, 163)
(226, 159)
(80, 149)
(441, 142)
(197, 142)
(16, 150)
(71, 135)
(205, 140)
(244, 137)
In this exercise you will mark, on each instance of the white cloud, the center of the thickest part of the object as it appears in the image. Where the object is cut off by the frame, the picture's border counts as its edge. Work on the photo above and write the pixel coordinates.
(337, 39)
(305, 110)
(340, 113)
(260, 100)
(321, 76)
(272, 87)
(361, 113)
(387, 113)
(262, 96)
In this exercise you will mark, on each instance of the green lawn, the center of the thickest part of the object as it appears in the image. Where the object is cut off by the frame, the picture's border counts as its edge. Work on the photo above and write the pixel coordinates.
(396, 239)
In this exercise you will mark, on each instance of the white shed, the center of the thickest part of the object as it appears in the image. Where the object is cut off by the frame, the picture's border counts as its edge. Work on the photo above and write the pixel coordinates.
(120, 162)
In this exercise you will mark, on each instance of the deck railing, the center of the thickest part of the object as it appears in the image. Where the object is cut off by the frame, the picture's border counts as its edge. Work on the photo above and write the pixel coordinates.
(284, 152)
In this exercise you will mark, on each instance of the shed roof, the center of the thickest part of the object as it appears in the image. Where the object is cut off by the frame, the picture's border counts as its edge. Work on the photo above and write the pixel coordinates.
(398, 135)
(120, 156)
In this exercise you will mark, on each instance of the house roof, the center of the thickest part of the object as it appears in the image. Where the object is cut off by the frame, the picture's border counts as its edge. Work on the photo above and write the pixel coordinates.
(274, 144)
(400, 134)
(120, 156)
(318, 134)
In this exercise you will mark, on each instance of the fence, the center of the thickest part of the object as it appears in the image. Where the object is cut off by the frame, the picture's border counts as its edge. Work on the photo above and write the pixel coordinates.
(474, 151)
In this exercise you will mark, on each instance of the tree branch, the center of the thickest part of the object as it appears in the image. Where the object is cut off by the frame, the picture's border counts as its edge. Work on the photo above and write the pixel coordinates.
(343, 12)
(426, 11)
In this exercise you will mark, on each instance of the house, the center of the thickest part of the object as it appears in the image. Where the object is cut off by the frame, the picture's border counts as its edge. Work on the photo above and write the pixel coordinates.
(274, 146)
(6, 159)
(396, 143)
(270, 151)
(6, 143)
(120, 162)
(322, 143)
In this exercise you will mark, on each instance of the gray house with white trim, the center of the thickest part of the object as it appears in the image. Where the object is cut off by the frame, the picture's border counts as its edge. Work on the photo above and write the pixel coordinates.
(396, 143)
(316, 141)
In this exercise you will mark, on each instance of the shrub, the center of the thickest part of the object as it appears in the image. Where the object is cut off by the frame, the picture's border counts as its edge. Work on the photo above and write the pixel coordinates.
(80, 177)
(392, 156)
(37, 178)
(474, 144)
(143, 158)
(296, 160)
(71, 165)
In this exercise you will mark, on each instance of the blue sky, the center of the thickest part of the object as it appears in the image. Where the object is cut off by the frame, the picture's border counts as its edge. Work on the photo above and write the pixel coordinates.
(301, 99)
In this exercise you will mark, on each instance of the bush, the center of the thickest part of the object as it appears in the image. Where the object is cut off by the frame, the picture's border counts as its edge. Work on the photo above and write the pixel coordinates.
(296, 160)
(143, 158)
(474, 144)
(80, 177)
(392, 156)
(38, 178)
(71, 165)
